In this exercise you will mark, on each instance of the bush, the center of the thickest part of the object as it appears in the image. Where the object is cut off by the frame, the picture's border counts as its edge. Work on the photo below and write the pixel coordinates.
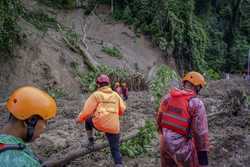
(212, 74)
(248, 100)
(140, 144)
(9, 30)
(56, 93)
(40, 20)
(162, 81)
(114, 52)
(68, 4)
(88, 80)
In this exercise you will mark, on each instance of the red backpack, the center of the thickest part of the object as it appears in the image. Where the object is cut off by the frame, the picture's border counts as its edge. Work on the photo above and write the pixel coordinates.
(177, 117)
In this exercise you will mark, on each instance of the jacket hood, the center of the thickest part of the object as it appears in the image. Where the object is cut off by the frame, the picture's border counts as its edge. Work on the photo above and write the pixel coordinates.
(175, 92)
(105, 89)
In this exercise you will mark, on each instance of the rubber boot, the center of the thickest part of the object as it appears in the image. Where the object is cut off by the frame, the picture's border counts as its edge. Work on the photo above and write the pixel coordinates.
(90, 139)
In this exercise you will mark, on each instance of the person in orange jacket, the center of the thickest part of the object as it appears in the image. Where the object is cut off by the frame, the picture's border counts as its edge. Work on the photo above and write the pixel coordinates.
(182, 123)
(101, 111)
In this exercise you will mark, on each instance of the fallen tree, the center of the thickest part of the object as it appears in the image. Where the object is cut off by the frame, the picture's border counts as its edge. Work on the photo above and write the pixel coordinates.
(87, 58)
(58, 162)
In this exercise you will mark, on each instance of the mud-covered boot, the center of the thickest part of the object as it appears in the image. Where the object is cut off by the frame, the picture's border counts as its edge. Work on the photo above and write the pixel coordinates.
(90, 140)
(91, 143)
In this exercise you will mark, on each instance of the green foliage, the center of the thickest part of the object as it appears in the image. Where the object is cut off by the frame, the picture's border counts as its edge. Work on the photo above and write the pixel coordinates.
(161, 82)
(212, 75)
(39, 19)
(56, 93)
(216, 49)
(198, 39)
(9, 30)
(239, 53)
(228, 36)
(88, 80)
(202, 34)
(171, 24)
(72, 36)
(248, 100)
(127, 15)
(68, 4)
(114, 52)
(140, 144)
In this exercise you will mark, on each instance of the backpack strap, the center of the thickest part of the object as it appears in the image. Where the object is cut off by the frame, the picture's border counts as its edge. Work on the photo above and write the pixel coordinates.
(21, 147)
(5, 147)
(189, 136)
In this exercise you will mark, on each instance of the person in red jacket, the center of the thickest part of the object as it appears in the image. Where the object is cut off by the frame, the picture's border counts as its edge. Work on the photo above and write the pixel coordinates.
(182, 123)
(125, 91)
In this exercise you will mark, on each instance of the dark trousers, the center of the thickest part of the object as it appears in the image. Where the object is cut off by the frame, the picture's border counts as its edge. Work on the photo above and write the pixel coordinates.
(113, 139)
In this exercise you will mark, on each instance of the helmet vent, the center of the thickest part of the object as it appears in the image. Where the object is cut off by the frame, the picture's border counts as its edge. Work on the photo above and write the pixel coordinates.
(15, 100)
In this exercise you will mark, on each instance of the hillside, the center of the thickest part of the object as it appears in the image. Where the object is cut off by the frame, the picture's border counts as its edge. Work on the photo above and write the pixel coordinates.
(60, 49)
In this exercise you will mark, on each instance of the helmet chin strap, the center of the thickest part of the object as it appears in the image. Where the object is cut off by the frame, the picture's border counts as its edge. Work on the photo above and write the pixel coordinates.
(30, 128)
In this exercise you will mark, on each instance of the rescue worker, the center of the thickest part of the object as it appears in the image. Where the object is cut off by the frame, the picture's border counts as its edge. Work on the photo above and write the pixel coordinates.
(182, 124)
(125, 91)
(118, 89)
(101, 111)
(29, 109)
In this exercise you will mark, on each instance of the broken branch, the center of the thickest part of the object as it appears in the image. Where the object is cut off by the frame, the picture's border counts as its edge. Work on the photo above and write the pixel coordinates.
(82, 152)
(88, 60)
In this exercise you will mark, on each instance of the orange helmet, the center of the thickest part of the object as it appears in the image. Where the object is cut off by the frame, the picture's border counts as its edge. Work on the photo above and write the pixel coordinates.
(195, 78)
(28, 101)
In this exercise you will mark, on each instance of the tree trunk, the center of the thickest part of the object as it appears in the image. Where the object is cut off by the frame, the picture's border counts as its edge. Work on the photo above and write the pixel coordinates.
(59, 162)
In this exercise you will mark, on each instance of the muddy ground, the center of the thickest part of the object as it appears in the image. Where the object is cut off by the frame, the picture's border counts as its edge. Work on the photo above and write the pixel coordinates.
(229, 132)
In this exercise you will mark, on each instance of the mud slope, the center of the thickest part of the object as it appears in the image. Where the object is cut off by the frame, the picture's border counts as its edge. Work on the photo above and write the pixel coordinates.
(137, 51)
(44, 60)
(41, 60)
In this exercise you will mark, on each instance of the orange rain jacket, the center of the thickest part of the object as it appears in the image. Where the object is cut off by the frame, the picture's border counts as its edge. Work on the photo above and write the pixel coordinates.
(105, 106)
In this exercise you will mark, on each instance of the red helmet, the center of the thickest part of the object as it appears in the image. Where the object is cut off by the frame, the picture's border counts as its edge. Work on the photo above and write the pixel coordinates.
(103, 79)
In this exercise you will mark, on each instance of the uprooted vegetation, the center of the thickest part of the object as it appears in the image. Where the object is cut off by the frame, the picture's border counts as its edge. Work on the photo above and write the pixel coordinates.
(140, 144)
(114, 52)
(135, 81)
(165, 79)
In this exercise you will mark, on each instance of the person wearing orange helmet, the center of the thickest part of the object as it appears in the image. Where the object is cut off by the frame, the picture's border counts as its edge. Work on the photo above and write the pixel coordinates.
(101, 111)
(182, 124)
(29, 109)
